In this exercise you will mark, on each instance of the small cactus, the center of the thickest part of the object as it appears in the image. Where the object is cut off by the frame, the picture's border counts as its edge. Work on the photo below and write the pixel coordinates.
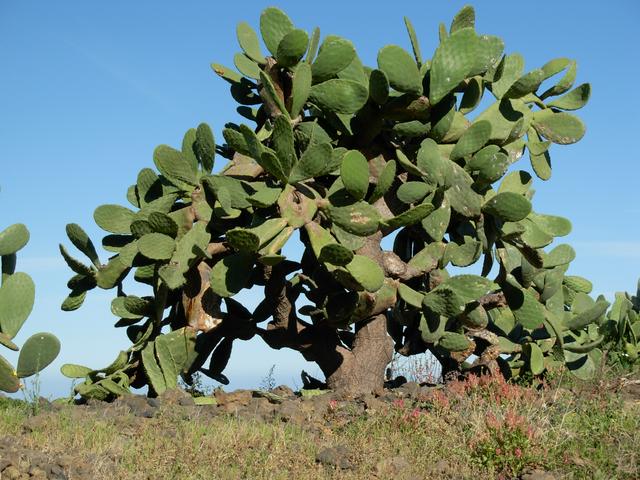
(17, 295)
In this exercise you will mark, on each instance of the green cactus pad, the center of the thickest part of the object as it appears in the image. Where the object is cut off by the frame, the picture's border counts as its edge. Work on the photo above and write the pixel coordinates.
(509, 71)
(472, 140)
(246, 66)
(175, 167)
(248, 40)
(465, 18)
(555, 66)
(230, 275)
(274, 25)
(409, 217)
(156, 246)
(205, 147)
(437, 222)
(528, 83)
(476, 318)
(173, 351)
(274, 96)
(162, 223)
(359, 218)
(264, 197)
(413, 192)
(444, 301)
(385, 180)
(401, 70)
(283, 144)
(562, 128)
(566, 82)
(575, 99)
(355, 71)
(114, 218)
(9, 382)
(527, 311)
(226, 73)
(312, 162)
(366, 272)
(273, 246)
(17, 295)
(273, 165)
(339, 96)
(292, 48)
(470, 287)
(463, 254)
(82, 242)
(535, 356)
(37, 353)
(454, 342)
(516, 182)
(152, 369)
(579, 284)
(297, 207)
(432, 327)
(463, 199)
(586, 317)
(6, 342)
(300, 88)
(490, 164)
(74, 264)
(234, 187)
(335, 55)
(581, 365)
(70, 370)
(335, 254)
(13, 238)
(489, 50)
(73, 301)
(119, 309)
(410, 296)
(319, 237)
(560, 255)
(354, 172)
(508, 206)
(453, 60)
(431, 162)
(379, 87)
(415, 46)
(472, 95)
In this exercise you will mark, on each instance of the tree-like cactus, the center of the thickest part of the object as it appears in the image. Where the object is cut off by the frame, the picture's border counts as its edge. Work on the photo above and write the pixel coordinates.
(347, 155)
(17, 294)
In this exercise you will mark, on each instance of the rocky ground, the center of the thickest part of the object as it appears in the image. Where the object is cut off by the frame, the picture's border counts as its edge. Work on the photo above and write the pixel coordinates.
(314, 412)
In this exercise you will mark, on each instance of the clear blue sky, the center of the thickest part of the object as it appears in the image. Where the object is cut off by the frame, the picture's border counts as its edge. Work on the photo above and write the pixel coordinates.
(88, 89)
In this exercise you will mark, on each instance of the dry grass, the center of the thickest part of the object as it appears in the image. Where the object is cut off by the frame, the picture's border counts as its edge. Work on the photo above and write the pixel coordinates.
(479, 428)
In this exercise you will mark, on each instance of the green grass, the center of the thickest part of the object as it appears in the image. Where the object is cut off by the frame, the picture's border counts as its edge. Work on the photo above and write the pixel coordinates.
(479, 428)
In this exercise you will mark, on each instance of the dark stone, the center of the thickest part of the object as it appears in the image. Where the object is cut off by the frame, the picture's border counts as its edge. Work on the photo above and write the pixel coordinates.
(283, 391)
(237, 397)
(176, 396)
(337, 456)
(410, 389)
(537, 475)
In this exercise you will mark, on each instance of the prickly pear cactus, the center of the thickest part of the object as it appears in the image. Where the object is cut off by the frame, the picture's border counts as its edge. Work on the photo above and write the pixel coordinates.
(622, 330)
(337, 156)
(17, 294)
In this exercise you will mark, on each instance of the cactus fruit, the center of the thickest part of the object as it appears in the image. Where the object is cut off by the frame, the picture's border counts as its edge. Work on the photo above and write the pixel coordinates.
(347, 155)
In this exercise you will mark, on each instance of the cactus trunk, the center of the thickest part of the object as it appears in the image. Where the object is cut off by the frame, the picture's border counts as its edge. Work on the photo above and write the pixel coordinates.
(361, 369)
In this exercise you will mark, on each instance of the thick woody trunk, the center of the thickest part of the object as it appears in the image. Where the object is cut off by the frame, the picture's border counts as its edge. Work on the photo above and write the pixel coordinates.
(361, 369)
